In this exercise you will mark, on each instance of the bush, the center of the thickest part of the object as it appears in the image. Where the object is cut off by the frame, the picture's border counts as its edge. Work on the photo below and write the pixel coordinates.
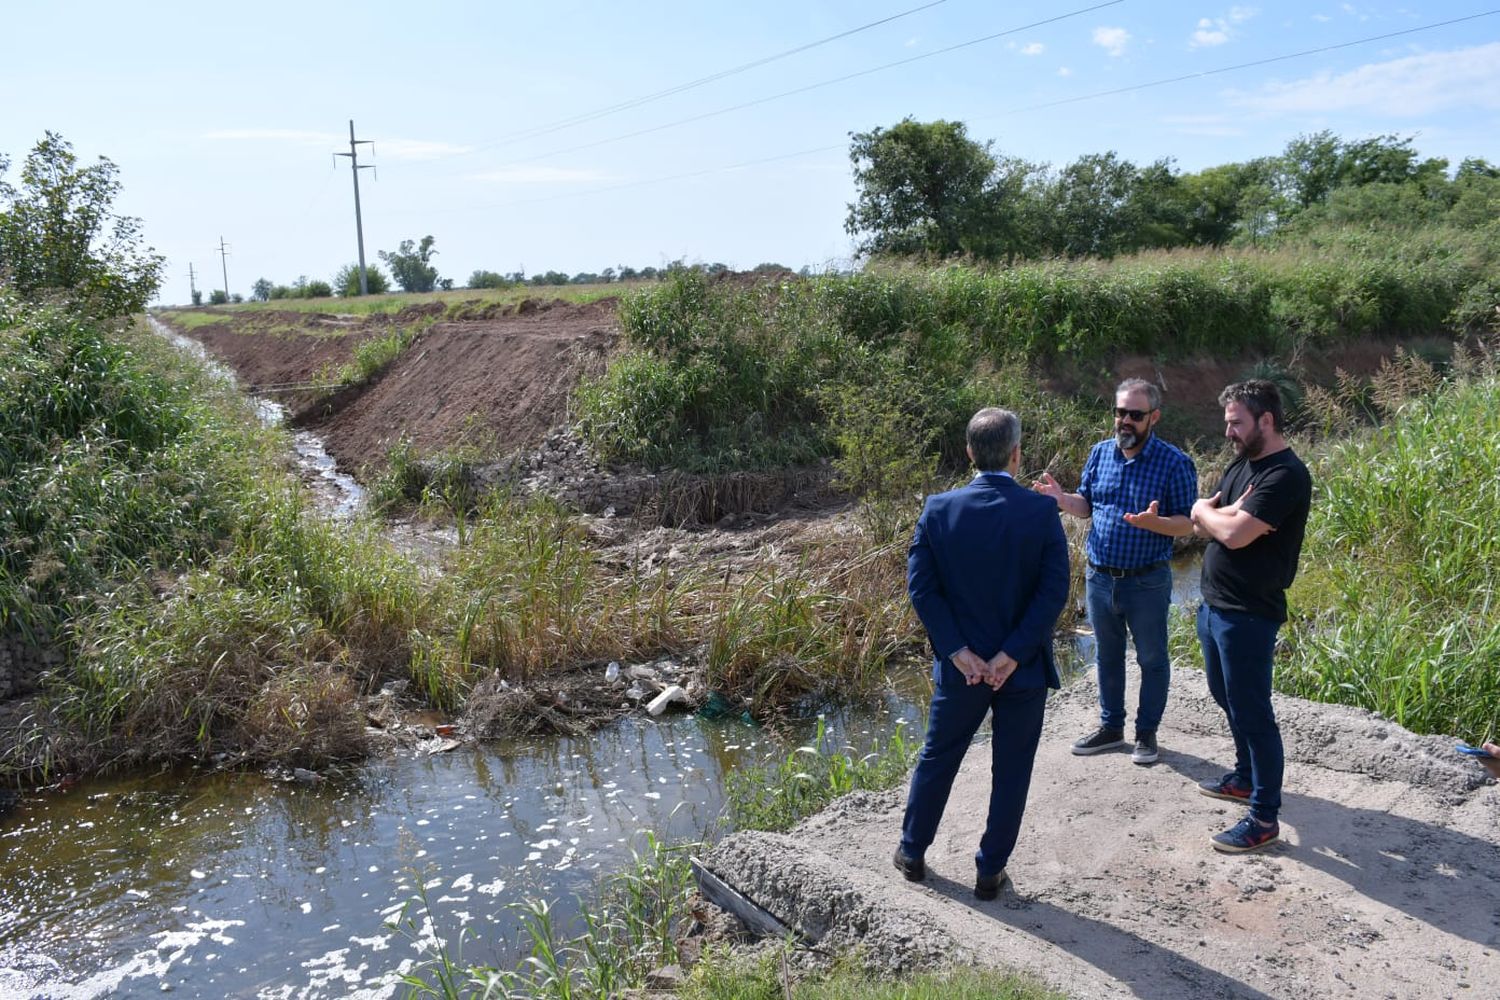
(346, 281)
(488, 279)
(720, 375)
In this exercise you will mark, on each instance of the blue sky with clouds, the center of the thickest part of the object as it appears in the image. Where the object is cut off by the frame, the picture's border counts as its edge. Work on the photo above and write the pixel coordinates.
(499, 127)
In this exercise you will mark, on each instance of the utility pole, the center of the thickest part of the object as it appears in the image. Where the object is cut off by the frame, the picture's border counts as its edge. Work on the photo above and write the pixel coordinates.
(224, 262)
(192, 284)
(359, 226)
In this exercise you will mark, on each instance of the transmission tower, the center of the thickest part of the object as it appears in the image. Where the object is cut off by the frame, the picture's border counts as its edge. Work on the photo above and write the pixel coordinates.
(359, 226)
(224, 262)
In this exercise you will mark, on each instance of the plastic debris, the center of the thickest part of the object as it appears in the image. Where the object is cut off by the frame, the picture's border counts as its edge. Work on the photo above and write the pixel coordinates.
(659, 704)
(612, 672)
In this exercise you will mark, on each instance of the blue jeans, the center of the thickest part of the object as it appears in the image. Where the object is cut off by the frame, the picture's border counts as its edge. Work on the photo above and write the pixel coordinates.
(1138, 603)
(1237, 650)
(957, 711)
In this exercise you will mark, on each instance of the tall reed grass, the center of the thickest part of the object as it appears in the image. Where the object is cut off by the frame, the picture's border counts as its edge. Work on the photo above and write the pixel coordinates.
(721, 375)
(1397, 607)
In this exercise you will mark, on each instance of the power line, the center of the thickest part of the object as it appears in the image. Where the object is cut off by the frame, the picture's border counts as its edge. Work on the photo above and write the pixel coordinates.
(547, 128)
(1011, 111)
(1238, 66)
(817, 86)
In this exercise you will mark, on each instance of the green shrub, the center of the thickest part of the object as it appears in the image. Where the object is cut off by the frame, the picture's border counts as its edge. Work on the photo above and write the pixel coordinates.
(722, 375)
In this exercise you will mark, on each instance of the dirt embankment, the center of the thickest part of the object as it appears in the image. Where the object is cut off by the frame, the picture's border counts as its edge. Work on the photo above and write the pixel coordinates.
(1387, 883)
(493, 381)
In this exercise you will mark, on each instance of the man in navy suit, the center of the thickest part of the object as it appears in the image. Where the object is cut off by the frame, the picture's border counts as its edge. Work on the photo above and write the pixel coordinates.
(988, 575)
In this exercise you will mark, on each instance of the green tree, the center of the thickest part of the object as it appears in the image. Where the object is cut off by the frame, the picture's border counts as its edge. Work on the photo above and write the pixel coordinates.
(924, 188)
(487, 279)
(261, 290)
(346, 281)
(59, 233)
(1089, 206)
(411, 265)
(216, 297)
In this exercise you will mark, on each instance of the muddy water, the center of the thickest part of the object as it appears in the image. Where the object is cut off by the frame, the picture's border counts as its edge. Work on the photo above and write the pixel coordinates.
(336, 493)
(234, 884)
(239, 884)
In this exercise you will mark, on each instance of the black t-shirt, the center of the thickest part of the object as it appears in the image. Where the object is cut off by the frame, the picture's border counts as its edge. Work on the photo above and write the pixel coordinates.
(1254, 579)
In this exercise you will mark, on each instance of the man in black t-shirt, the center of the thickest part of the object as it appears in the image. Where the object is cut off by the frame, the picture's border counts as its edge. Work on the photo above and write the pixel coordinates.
(1254, 524)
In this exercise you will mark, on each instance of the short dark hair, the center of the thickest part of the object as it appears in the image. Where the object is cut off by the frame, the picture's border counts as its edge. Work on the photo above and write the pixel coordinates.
(1258, 396)
(992, 435)
(1153, 394)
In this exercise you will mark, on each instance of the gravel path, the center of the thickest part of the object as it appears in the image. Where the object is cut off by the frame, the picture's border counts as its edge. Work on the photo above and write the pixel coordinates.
(1387, 883)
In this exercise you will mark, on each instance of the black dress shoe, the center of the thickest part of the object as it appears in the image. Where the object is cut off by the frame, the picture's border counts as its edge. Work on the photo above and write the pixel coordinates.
(913, 868)
(987, 887)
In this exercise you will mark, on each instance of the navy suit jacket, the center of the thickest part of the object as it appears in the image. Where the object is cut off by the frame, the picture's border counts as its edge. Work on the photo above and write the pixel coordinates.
(988, 569)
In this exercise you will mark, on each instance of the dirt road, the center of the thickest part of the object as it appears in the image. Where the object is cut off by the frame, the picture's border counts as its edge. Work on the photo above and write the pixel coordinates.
(1387, 883)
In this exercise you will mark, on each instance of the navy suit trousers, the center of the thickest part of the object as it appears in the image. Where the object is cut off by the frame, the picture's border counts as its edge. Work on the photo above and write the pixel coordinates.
(958, 709)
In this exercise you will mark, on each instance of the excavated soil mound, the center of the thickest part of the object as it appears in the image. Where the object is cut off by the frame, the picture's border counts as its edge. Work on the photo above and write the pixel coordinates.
(497, 384)
(496, 379)
(1387, 883)
(276, 348)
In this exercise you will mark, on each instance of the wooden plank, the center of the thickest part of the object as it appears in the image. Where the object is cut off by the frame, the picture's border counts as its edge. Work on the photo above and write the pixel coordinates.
(726, 897)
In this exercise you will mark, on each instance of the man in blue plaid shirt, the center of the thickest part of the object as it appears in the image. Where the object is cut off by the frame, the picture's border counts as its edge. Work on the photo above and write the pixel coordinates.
(1139, 491)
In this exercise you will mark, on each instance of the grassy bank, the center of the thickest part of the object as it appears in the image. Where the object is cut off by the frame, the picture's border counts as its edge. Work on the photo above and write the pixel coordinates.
(1398, 605)
(154, 534)
(725, 374)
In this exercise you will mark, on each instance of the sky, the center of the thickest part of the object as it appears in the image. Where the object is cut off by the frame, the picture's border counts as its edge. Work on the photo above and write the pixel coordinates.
(576, 136)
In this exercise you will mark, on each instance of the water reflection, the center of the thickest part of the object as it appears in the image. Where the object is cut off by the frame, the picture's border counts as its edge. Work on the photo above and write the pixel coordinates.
(237, 884)
(213, 885)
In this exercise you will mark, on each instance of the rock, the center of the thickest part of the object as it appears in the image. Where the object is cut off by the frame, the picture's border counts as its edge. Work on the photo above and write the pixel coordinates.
(668, 977)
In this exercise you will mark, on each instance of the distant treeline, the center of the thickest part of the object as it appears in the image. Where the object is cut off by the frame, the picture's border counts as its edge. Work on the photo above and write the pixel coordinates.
(927, 189)
(492, 279)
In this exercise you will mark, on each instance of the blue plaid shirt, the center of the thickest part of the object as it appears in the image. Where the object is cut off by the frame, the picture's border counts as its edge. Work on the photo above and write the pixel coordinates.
(1114, 486)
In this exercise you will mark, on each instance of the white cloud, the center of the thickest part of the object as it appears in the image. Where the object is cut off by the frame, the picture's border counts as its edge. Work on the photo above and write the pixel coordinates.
(1210, 31)
(1033, 49)
(1413, 85)
(541, 175)
(418, 149)
(1064, 71)
(1111, 40)
(1322, 18)
(1216, 30)
(400, 149)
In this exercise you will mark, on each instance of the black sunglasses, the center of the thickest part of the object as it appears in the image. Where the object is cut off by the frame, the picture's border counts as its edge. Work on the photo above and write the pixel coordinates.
(1136, 415)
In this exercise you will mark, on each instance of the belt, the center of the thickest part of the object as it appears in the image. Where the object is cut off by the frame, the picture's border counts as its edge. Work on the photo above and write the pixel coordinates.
(1121, 573)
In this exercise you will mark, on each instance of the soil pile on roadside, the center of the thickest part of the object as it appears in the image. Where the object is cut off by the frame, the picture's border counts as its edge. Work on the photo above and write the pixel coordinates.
(495, 384)
(1387, 883)
(494, 381)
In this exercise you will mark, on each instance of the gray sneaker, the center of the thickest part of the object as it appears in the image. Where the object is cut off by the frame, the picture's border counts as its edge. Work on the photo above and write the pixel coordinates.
(1099, 740)
(1145, 748)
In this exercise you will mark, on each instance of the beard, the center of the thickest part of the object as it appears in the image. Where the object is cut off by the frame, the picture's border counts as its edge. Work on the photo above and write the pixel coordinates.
(1128, 437)
(1252, 446)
